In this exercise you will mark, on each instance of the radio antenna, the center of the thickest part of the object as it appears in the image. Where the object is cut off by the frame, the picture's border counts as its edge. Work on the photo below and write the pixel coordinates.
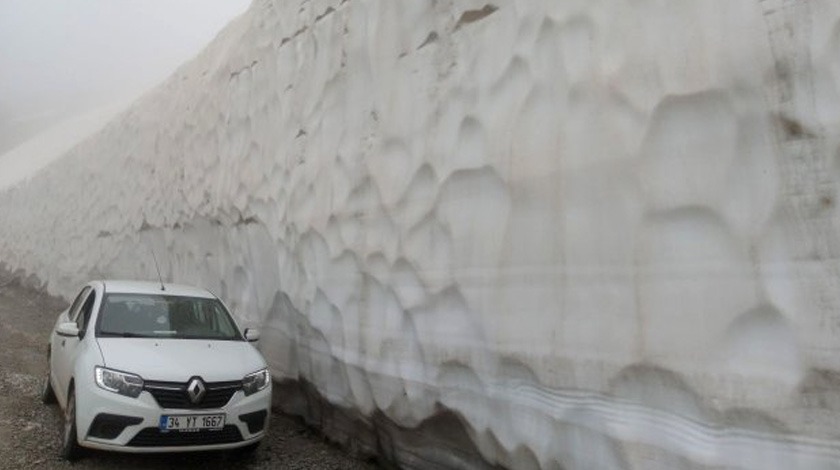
(160, 278)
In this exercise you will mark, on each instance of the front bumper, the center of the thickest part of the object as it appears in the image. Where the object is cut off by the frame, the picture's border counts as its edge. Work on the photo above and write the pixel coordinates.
(144, 436)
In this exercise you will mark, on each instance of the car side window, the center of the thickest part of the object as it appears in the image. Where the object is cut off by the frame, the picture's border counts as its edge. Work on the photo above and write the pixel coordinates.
(84, 314)
(77, 304)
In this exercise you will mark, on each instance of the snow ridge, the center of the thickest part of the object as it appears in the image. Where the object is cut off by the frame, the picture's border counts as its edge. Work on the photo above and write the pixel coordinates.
(602, 234)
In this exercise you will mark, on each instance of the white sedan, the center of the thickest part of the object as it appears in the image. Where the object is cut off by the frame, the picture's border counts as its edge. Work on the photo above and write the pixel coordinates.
(146, 367)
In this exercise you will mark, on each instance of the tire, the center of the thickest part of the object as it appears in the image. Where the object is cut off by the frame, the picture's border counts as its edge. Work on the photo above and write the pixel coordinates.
(47, 392)
(70, 449)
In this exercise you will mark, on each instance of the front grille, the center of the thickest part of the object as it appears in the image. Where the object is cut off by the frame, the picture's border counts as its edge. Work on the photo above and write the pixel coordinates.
(153, 437)
(174, 394)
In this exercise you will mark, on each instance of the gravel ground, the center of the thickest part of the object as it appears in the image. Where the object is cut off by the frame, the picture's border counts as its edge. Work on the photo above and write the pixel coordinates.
(30, 432)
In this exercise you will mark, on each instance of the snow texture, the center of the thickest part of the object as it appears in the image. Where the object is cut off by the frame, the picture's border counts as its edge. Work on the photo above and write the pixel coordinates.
(27, 159)
(603, 233)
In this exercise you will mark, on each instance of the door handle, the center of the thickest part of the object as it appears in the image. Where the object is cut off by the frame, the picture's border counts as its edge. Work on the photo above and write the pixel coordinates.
(62, 342)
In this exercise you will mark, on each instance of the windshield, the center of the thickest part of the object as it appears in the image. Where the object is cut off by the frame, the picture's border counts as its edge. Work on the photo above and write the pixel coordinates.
(164, 316)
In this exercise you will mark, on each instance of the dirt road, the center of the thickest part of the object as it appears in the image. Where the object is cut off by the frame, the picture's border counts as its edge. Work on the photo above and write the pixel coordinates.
(30, 433)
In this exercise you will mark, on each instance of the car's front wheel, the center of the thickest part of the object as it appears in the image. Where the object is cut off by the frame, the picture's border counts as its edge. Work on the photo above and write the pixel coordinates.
(70, 449)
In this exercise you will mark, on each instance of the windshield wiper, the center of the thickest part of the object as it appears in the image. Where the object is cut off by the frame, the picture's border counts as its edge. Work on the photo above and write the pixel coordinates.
(123, 334)
(207, 338)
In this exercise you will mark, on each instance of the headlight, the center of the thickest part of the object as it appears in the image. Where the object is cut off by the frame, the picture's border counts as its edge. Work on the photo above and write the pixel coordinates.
(129, 385)
(253, 383)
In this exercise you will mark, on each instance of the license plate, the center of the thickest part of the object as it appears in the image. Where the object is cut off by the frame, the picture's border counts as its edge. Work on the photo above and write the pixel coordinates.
(188, 423)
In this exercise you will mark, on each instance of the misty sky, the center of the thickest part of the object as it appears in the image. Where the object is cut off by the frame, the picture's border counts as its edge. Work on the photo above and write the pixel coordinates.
(60, 57)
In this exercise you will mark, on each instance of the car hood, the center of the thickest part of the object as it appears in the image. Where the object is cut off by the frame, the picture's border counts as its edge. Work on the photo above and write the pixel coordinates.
(177, 360)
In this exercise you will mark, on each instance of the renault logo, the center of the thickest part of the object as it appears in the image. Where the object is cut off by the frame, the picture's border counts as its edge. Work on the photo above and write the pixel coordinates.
(196, 390)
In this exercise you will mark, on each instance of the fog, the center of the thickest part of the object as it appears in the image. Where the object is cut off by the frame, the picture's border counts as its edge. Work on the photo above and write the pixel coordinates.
(62, 58)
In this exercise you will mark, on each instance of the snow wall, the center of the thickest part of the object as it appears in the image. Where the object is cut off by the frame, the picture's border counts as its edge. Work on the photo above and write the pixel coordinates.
(547, 234)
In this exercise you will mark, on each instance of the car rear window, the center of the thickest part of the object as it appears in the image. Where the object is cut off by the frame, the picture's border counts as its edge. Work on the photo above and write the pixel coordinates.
(164, 316)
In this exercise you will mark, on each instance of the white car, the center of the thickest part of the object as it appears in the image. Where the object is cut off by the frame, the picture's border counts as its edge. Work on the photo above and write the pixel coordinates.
(147, 367)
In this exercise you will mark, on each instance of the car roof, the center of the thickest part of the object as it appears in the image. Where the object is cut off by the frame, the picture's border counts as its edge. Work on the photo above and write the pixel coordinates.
(147, 287)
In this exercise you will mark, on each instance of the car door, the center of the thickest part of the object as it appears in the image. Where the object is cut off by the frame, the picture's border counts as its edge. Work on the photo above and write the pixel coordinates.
(64, 348)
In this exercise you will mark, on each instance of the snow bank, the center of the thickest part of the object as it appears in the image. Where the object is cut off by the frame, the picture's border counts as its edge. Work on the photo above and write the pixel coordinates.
(599, 234)
(30, 157)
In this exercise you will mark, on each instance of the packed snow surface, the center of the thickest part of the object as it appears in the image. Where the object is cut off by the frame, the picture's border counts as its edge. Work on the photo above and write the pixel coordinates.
(30, 157)
(603, 233)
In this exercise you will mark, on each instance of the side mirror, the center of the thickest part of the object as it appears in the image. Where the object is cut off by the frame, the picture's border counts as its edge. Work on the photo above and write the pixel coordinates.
(252, 335)
(68, 329)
